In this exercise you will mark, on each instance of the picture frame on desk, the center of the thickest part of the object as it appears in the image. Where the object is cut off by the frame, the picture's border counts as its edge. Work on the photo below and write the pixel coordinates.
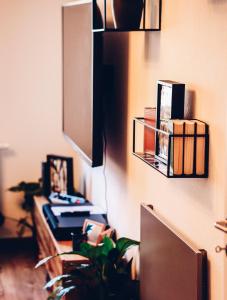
(59, 175)
(170, 105)
(94, 231)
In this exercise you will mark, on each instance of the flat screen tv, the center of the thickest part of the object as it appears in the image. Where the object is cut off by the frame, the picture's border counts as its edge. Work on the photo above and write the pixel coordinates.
(82, 82)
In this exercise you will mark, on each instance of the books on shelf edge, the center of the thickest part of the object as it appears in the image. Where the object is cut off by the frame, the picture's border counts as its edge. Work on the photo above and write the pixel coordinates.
(176, 163)
(189, 147)
(177, 159)
(200, 148)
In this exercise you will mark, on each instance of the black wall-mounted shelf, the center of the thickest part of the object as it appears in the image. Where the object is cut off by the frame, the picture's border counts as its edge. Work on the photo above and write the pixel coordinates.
(105, 17)
(167, 167)
(221, 225)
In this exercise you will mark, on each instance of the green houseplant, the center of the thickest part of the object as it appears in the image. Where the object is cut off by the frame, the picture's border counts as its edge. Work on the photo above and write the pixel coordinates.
(107, 275)
(30, 189)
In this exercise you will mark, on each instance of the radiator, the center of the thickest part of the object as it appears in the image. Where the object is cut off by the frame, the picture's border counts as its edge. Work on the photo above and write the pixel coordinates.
(170, 267)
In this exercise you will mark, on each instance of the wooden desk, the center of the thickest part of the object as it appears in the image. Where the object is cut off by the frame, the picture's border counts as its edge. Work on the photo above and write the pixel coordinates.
(48, 245)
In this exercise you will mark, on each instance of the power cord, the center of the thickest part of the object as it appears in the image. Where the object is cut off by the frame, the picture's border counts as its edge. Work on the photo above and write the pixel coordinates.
(104, 172)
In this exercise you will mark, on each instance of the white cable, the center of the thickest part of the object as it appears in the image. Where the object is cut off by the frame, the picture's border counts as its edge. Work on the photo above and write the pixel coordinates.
(104, 173)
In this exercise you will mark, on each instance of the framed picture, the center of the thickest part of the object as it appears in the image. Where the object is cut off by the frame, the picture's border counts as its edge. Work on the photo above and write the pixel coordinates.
(170, 105)
(60, 174)
(170, 100)
(94, 231)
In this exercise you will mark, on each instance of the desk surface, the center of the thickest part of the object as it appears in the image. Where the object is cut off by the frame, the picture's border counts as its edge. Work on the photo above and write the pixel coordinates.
(60, 246)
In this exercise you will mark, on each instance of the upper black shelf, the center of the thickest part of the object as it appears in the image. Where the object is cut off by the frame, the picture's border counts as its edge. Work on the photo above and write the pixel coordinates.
(127, 15)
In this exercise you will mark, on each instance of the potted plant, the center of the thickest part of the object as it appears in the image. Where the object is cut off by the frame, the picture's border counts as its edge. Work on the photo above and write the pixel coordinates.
(30, 189)
(107, 275)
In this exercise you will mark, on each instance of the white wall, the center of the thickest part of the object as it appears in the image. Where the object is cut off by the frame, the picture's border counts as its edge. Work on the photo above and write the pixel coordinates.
(191, 48)
(30, 92)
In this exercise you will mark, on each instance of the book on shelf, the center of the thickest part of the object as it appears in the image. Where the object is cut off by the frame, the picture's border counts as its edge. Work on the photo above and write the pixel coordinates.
(149, 134)
(200, 148)
(176, 163)
(189, 147)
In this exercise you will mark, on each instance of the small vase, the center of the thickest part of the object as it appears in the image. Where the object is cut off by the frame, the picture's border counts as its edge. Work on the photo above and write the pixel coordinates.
(127, 14)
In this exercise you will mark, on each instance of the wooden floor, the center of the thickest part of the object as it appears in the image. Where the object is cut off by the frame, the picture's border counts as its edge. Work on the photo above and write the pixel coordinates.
(18, 279)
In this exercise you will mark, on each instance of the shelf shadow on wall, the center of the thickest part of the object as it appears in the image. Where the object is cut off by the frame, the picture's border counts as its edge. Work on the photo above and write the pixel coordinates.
(116, 101)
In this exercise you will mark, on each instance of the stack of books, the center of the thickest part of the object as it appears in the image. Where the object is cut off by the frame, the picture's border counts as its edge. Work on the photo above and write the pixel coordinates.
(187, 152)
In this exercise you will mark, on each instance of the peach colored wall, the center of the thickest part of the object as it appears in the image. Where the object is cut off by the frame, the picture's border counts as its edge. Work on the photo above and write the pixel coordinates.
(192, 48)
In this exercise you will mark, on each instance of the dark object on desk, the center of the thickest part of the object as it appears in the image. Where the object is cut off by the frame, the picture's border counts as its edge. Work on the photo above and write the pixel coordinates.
(77, 239)
(62, 226)
(169, 262)
(75, 214)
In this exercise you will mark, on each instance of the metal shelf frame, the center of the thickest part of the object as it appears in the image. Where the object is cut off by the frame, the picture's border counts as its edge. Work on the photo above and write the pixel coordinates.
(163, 167)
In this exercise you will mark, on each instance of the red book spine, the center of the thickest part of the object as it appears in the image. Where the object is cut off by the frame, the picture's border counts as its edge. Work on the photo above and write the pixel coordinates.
(149, 134)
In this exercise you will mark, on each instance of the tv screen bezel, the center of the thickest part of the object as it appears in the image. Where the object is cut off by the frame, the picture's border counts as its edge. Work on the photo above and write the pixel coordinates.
(96, 94)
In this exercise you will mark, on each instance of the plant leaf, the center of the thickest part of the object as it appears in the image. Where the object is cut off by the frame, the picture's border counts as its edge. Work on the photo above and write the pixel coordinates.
(52, 296)
(89, 251)
(94, 253)
(43, 261)
(55, 280)
(65, 291)
(33, 187)
(107, 246)
(85, 248)
(46, 259)
(123, 244)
